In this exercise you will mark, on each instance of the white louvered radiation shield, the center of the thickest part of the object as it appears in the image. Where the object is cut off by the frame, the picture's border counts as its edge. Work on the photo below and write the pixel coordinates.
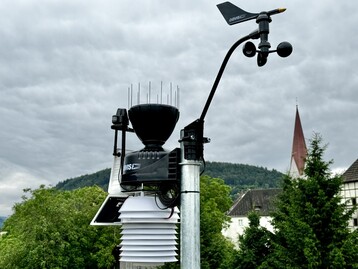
(149, 235)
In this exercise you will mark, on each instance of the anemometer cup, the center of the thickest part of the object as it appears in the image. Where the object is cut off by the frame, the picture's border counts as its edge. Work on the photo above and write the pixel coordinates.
(284, 49)
(249, 49)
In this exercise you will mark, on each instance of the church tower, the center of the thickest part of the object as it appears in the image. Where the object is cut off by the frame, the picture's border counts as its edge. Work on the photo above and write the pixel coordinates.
(299, 150)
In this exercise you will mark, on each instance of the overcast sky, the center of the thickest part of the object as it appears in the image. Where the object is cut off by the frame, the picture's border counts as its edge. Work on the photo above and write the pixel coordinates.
(65, 68)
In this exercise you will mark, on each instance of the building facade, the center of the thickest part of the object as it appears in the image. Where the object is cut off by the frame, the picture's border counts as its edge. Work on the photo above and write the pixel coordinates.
(350, 192)
(258, 200)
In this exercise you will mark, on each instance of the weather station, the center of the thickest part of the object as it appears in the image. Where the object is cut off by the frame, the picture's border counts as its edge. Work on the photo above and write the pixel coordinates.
(148, 187)
(143, 191)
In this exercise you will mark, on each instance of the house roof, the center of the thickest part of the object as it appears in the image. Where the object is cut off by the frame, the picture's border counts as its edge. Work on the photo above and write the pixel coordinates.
(299, 149)
(261, 200)
(351, 174)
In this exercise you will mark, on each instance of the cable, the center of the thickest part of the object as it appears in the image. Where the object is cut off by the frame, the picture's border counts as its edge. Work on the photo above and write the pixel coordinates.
(169, 195)
(204, 166)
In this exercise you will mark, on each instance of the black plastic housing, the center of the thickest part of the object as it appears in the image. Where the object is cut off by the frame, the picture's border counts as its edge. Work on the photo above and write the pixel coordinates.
(151, 167)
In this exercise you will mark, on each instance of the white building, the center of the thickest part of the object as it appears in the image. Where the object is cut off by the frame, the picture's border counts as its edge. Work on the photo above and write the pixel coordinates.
(350, 191)
(259, 200)
(262, 200)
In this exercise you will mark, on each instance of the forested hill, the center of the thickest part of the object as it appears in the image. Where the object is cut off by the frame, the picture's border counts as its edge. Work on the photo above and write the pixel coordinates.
(238, 176)
(99, 178)
(244, 176)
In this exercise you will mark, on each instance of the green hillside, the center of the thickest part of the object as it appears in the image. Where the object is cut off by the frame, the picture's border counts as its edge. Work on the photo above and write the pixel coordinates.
(99, 178)
(238, 176)
(244, 176)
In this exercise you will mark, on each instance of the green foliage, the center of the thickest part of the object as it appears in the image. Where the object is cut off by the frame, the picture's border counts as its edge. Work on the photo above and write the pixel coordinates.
(50, 229)
(2, 220)
(254, 244)
(311, 222)
(216, 251)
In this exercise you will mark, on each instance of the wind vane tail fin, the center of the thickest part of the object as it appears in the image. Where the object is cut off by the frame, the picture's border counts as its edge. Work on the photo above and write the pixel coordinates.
(234, 14)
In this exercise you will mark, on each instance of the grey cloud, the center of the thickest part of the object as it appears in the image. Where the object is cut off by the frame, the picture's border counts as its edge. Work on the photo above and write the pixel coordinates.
(65, 67)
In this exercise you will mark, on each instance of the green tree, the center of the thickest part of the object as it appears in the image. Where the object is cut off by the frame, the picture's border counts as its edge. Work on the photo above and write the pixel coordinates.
(311, 221)
(254, 244)
(50, 229)
(217, 252)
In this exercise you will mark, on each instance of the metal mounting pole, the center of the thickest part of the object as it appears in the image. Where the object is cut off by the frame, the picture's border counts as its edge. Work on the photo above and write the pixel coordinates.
(190, 178)
(189, 213)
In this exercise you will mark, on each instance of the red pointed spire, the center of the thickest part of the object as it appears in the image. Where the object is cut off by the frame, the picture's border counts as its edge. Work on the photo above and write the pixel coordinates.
(299, 150)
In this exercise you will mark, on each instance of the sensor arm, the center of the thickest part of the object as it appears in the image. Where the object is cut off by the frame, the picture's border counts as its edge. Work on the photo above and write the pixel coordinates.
(193, 139)
(253, 35)
(194, 132)
(263, 20)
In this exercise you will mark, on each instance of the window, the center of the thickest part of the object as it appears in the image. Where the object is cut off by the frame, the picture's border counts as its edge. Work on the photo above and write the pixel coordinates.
(355, 222)
(240, 222)
(354, 201)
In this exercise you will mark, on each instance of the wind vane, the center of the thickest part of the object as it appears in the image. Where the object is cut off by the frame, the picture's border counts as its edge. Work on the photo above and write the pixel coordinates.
(234, 14)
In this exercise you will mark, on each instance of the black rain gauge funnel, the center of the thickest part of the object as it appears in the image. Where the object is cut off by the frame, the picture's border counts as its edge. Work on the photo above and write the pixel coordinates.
(153, 124)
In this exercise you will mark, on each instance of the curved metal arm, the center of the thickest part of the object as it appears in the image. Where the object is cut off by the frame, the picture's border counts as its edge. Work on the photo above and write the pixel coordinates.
(253, 35)
(193, 139)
